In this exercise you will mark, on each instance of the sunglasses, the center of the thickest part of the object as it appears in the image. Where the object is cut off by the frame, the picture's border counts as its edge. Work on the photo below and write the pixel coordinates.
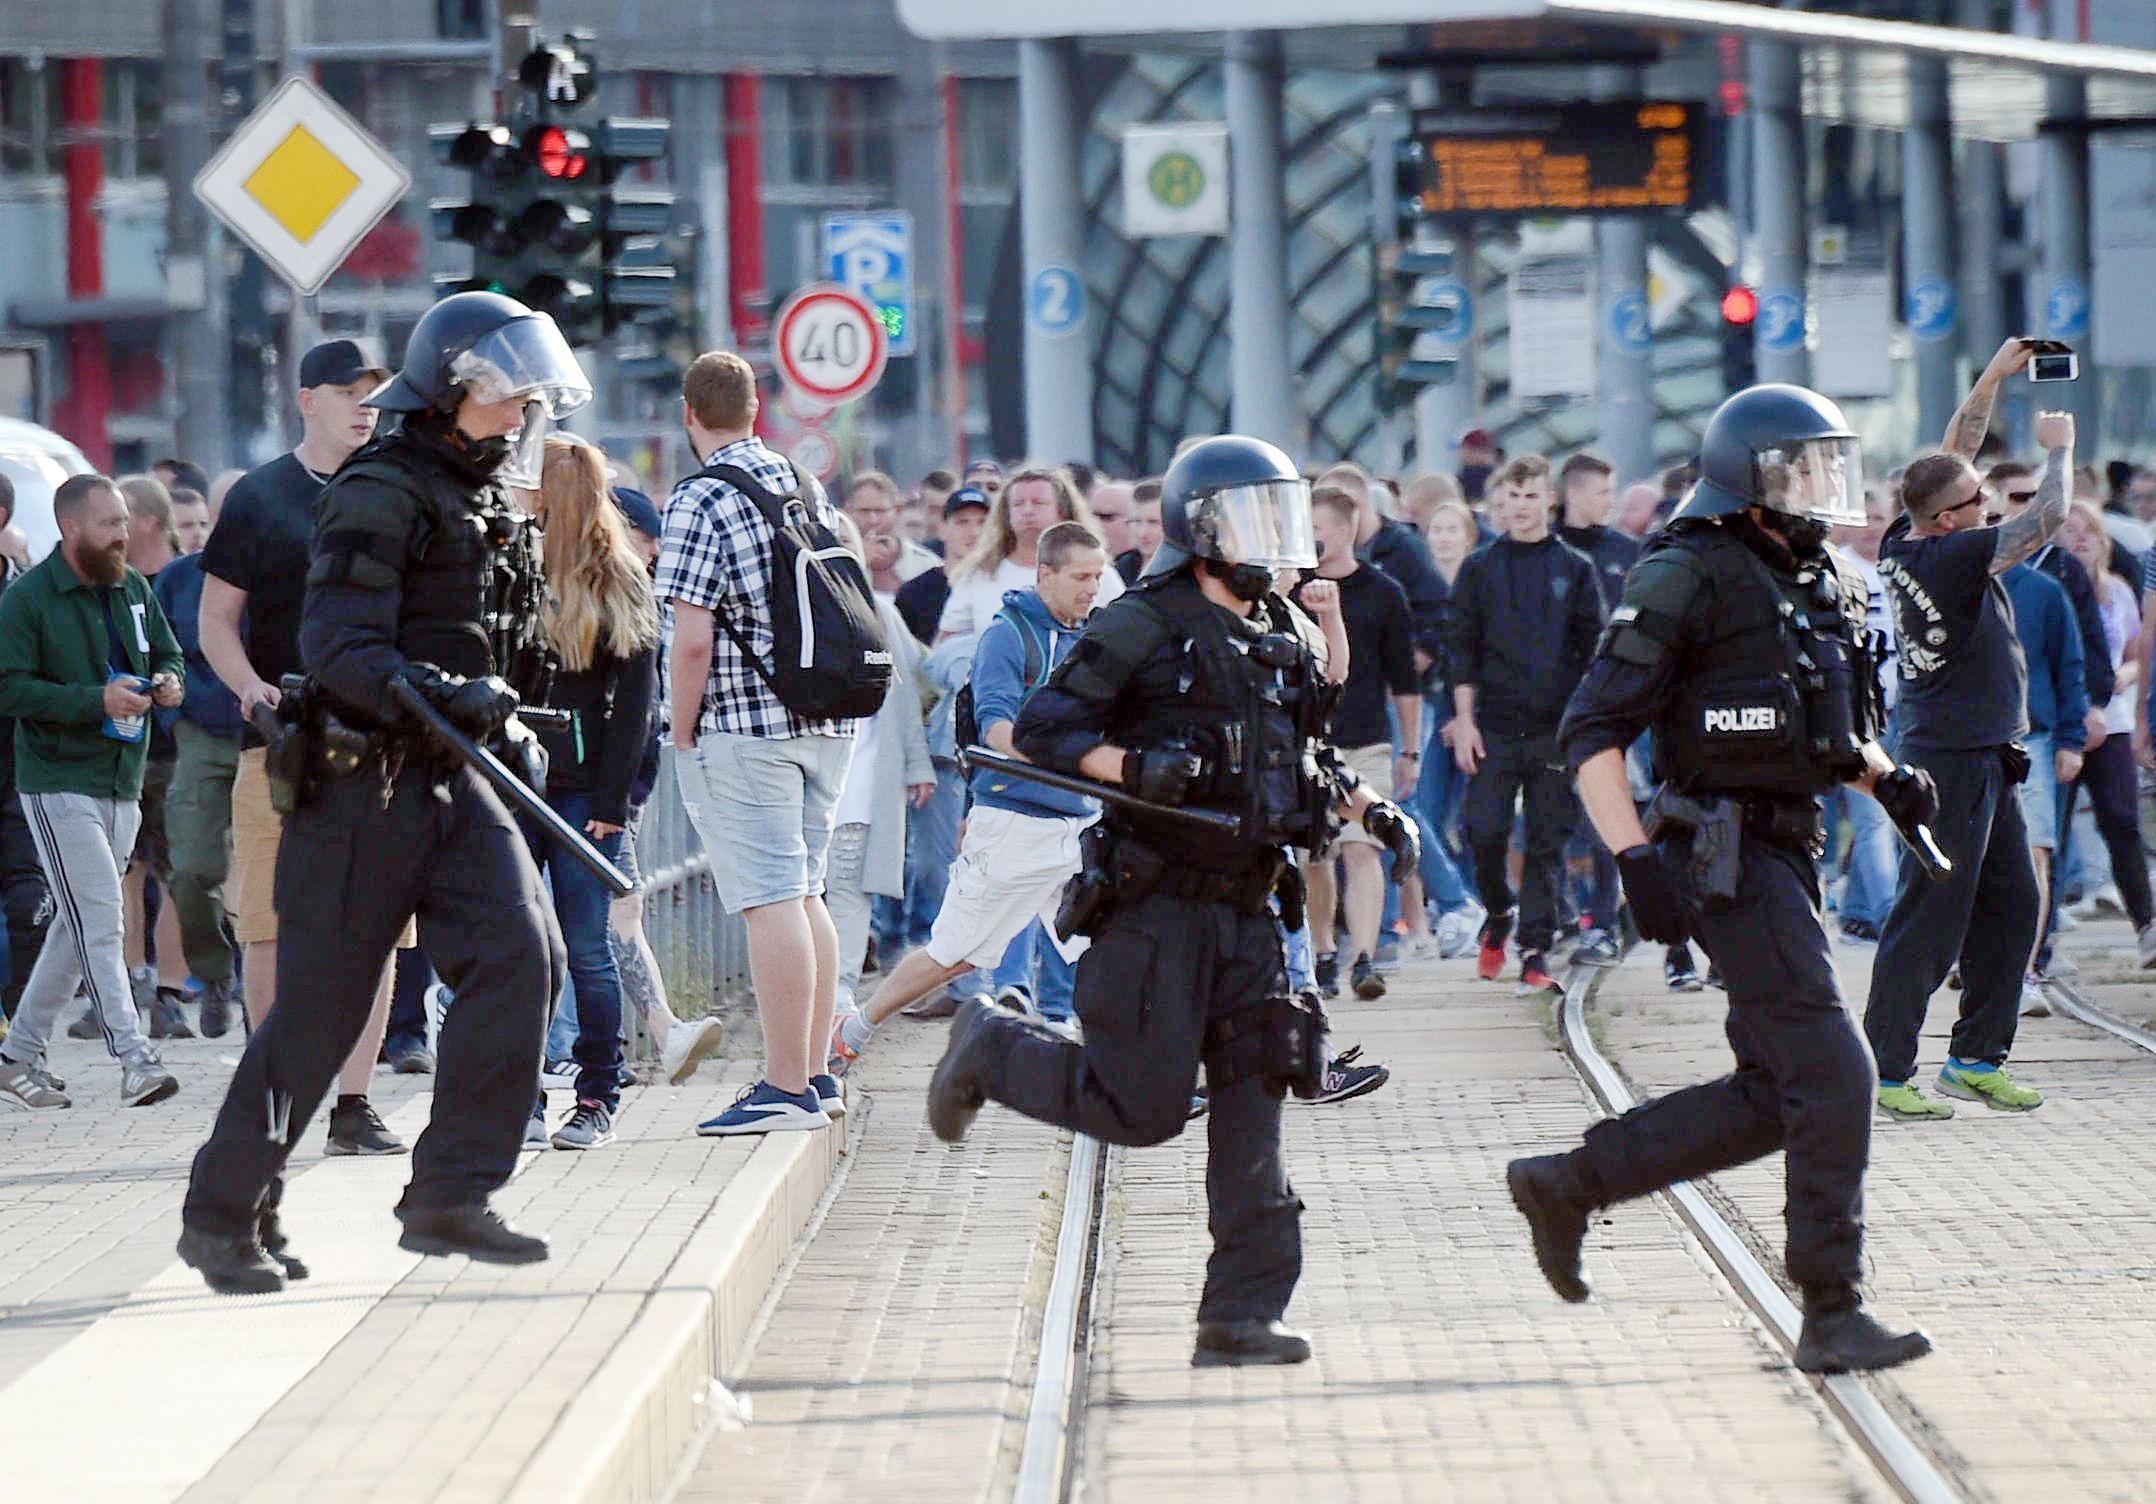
(1973, 500)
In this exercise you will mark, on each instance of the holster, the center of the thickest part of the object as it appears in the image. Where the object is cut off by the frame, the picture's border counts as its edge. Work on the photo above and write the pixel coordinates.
(1089, 897)
(2015, 758)
(1716, 831)
(1279, 1040)
(1292, 893)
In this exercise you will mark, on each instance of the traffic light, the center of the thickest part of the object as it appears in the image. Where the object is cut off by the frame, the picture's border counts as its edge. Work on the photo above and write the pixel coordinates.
(546, 220)
(1422, 311)
(1740, 311)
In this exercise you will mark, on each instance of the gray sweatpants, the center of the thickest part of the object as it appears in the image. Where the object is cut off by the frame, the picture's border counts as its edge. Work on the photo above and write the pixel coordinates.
(83, 844)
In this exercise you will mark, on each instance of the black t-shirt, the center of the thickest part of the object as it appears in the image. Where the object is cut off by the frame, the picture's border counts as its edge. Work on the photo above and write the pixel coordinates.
(260, 546)
(920, 603)
(1964, 682)
(1381, 657)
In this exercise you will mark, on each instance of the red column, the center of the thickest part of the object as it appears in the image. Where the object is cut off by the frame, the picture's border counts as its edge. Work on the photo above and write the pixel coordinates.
(745, 290)
(89, 399)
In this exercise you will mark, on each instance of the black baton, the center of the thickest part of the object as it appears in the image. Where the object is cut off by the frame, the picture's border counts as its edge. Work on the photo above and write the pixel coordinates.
(511, 788)
(1107, 793)
(1924, 846)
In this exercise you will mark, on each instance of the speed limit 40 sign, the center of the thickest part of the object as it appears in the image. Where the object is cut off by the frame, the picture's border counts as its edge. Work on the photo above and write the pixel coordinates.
(829, 344)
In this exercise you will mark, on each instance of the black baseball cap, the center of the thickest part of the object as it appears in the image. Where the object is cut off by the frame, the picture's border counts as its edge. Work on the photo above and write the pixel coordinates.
(963, 497)
(638, 511)
(338, 362)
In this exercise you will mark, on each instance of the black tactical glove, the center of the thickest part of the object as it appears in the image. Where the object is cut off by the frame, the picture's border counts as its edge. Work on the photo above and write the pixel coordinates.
(1657, 905)
(477, 707)
(1909, 797)
(1162, 775)
(1388, 825)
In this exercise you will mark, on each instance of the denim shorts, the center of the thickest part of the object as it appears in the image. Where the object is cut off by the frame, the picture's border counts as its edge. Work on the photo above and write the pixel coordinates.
(763, 806)
(2040, 792)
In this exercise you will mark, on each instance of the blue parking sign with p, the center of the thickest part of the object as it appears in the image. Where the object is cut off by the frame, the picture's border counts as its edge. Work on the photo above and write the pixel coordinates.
(872, 254)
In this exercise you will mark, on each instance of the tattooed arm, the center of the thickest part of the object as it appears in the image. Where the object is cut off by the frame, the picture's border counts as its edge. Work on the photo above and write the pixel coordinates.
(1972, 420)
(2019, 537)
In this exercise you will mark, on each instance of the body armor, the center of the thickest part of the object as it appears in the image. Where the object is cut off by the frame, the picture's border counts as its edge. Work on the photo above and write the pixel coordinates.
(1248, 697)
(472, 579)
(1774, 694)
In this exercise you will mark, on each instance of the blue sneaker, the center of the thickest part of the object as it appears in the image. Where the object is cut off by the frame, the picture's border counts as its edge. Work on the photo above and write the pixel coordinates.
(830, 1093)
(763, 1108)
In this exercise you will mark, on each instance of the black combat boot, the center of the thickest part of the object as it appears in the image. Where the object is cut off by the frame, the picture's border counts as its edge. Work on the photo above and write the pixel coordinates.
(1840, 1336)
(1549, 1196)
(474, 1230)
(956, 1091)
(230, 1263)
(1237, 1344)
(269, 1232)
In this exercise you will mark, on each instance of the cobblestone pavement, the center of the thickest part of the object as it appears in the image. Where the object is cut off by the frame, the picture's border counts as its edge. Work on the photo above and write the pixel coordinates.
(896, 1364)
(1445, 1367)
(2024, 1244)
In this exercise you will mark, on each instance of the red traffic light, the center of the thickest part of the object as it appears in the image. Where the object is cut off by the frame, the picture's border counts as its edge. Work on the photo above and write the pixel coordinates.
(560, 153)
(1740, 305)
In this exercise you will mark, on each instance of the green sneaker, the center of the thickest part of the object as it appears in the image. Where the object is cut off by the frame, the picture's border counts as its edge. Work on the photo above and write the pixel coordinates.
(1901, 1101)
(1993, 1088)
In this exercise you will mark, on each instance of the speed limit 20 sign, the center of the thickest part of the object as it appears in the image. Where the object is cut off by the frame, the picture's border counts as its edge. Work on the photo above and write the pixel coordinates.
(829, 344)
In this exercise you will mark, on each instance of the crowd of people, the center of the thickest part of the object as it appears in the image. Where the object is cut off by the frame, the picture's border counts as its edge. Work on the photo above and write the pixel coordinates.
(874, 873)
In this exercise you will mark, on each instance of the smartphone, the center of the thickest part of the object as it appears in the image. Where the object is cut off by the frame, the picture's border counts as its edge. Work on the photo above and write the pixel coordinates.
(2053, 360)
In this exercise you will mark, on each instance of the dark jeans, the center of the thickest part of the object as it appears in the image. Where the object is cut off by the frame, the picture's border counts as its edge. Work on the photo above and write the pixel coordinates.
(408, 1004)
(1982, 916)
(1523, 770)
(1144, 993)
(581, 902)
(1803, 1081)
(2107, 774)
(350, 872)
(25, 900)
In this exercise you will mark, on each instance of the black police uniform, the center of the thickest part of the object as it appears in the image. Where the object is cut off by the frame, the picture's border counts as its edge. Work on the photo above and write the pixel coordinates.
(1747, 665)
(1187, 967)
(419, 557)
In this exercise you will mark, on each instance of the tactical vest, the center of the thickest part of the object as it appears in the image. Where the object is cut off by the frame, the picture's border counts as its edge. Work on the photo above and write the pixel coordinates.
(1248, 699)
(1773, 694)
(474, 581)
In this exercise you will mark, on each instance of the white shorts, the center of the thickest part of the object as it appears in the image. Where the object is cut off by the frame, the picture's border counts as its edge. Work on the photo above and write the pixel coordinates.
(1010, 869)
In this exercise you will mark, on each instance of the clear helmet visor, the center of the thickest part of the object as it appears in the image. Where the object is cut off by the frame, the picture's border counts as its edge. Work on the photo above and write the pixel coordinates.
(526, 357)
(1267, 524)
(527, 448)
(1819, 479)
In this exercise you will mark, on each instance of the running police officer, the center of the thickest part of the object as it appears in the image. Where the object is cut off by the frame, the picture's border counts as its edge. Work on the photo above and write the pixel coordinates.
(1198, 689)
(420, 565)
(1738, 644)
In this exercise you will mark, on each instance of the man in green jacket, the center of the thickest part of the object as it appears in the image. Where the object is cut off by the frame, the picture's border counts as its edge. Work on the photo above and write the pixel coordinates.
(84, 652)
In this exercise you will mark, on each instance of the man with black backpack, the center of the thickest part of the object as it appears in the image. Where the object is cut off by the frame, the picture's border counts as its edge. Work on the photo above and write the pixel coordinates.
(776, 653)
(1021, 842)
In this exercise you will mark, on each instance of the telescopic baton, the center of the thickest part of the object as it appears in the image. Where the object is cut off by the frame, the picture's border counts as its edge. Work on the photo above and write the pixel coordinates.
(512, 788)
(1107, 793)
(1924, 846)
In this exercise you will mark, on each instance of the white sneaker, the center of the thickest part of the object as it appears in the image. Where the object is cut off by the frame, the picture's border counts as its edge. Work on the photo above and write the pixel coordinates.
(1458, 929)
(2101, 903)
(1421, 948)
(691, 1042)
(2035, 1003)
(560, 1075)
(2067, 922)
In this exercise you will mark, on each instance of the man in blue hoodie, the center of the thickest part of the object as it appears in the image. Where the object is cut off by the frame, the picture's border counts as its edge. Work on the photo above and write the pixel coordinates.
(1021, 842)
(2050, 636)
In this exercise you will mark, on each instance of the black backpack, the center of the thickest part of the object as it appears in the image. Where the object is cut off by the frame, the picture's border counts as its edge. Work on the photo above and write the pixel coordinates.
(963, 724)
(829, 658)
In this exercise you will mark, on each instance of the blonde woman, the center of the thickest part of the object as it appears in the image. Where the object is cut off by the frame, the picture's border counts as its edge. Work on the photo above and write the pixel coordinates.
(603, 624)
(1031, 502)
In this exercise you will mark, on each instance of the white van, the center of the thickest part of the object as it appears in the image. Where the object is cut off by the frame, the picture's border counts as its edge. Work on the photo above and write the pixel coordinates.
(37, 460)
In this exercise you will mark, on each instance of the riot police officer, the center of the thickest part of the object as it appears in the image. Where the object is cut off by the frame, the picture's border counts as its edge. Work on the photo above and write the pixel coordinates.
(422, 570)
(1198, 689)
(1738, 644)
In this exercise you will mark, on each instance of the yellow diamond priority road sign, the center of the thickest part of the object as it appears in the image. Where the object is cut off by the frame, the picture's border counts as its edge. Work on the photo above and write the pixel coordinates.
(301, 181)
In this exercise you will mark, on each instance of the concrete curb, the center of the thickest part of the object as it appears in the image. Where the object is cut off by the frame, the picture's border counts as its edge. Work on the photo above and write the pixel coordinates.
(620, 1441)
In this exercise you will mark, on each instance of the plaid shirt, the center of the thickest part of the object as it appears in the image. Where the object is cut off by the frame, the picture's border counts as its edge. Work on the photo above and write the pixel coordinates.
(717, 555)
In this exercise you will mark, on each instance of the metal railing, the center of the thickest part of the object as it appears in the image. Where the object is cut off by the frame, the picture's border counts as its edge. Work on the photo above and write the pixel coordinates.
(701, 949)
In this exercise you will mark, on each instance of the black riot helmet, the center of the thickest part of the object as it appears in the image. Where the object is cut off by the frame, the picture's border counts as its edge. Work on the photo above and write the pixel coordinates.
(1784, 448)
(493, 348)
(1235, 501)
